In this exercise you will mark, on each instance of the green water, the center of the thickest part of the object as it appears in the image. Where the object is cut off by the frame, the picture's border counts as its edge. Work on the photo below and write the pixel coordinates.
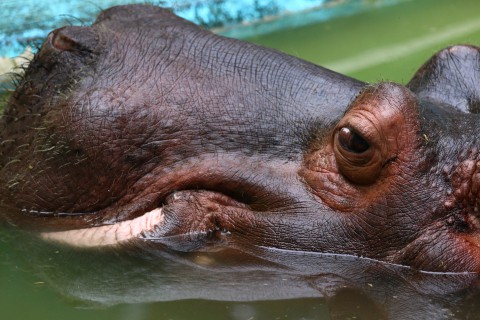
(383, 44)
(24, 296)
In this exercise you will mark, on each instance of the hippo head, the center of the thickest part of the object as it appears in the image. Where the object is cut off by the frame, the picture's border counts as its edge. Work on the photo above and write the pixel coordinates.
(145, 128)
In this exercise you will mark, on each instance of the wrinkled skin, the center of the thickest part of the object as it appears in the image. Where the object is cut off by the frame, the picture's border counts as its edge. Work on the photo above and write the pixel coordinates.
(241, 145)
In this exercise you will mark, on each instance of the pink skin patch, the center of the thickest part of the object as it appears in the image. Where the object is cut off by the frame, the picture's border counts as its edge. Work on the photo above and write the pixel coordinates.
(108, 235)
(466, 184)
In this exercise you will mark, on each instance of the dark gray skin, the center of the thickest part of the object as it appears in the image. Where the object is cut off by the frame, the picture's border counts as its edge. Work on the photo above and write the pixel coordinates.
(242, 145)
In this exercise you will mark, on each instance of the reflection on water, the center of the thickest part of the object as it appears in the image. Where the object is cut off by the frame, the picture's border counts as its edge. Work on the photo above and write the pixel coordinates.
(261, 283)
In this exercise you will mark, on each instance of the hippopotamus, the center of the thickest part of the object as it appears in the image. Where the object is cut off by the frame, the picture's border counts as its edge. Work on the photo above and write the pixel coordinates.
(145, 128)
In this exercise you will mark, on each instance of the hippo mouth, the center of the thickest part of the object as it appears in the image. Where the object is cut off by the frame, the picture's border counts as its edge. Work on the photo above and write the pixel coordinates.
(140, 225)
(153, 216)
(179, 203)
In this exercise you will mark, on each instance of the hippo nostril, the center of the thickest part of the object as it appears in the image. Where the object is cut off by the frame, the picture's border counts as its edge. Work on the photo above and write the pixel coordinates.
(74, 39)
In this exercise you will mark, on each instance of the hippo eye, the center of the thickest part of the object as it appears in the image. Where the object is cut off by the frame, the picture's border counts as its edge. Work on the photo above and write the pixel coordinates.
(351, 141)
(358, 160)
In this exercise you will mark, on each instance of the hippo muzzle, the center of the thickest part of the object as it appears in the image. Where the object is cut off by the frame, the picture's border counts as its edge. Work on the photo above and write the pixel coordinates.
(145, 128)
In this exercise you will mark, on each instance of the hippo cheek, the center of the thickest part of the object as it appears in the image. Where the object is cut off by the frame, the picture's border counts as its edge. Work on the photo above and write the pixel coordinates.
(452, 242)
(447, 87)
(441, 248)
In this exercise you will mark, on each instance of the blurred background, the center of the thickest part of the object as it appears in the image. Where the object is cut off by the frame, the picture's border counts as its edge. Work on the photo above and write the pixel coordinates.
(367, 39)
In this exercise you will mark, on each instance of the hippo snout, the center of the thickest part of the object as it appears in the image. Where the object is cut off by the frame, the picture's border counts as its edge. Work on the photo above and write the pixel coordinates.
(147, 128)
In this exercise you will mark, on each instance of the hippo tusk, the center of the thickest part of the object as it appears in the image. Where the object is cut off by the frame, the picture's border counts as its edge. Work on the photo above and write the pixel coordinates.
(107, 235)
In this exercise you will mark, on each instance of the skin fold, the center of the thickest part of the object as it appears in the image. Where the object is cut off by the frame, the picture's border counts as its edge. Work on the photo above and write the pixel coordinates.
(235, 145)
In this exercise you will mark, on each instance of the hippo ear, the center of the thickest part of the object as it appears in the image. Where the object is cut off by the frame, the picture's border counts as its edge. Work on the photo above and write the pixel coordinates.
(451, 77)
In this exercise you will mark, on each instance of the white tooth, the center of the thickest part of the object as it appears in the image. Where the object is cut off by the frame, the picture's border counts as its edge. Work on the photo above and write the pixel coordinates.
(108, 235)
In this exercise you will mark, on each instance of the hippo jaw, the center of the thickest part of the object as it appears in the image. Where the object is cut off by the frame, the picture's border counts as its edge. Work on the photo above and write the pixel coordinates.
(146, 128)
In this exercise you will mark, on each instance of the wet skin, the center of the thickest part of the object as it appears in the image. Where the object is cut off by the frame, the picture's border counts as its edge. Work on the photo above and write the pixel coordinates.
(147, 128)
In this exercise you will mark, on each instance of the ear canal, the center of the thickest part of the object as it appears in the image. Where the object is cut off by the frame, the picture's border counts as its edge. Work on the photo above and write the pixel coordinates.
(451, 77)
(74, 38)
